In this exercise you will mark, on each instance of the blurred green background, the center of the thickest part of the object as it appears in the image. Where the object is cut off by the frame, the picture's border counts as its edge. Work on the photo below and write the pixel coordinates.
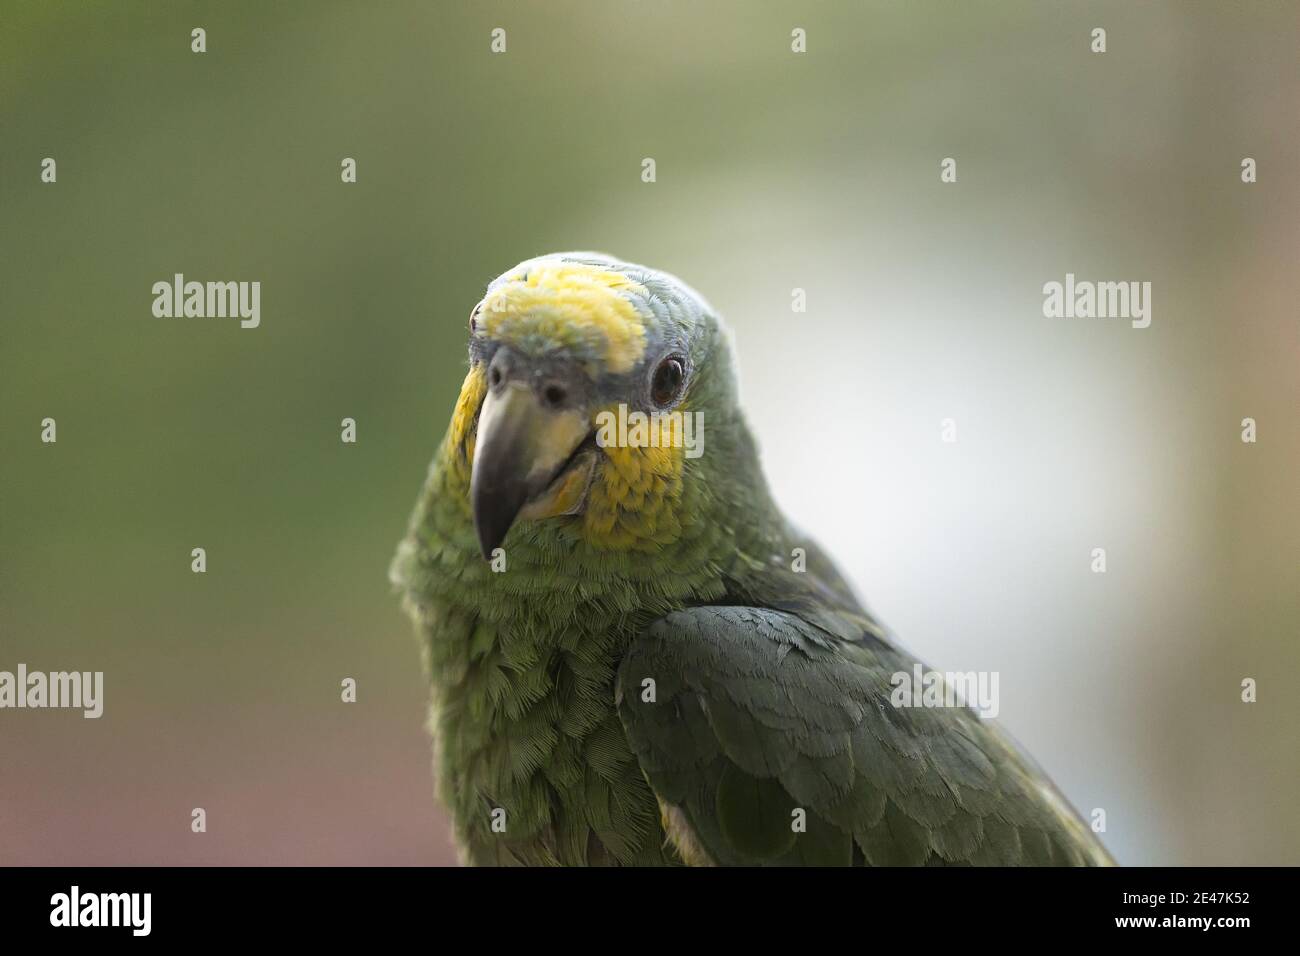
(775, 171)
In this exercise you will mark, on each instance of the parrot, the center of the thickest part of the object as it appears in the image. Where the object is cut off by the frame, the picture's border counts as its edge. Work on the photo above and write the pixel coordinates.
(625, 666)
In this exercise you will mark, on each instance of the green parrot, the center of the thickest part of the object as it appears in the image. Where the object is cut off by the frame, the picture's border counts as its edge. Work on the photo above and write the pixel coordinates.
(629, 661)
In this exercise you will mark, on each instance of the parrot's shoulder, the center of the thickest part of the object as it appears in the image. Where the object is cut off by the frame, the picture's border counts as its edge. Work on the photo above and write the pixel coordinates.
(769, 739)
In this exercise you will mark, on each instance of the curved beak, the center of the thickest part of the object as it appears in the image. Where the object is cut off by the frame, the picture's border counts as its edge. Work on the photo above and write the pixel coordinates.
(520, 449)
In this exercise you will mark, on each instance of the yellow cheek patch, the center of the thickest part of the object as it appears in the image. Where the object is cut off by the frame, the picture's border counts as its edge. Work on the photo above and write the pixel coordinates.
(569, 305)
(633, 504)
(459, 434)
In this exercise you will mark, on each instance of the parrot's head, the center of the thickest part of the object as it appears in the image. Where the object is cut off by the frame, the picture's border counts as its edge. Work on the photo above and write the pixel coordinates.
(593, 385)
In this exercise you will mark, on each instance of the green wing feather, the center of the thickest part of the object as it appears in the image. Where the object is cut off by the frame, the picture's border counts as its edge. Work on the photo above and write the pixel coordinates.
(776, 742)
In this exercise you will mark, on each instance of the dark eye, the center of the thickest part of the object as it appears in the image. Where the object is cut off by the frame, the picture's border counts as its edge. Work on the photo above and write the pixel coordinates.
(667, 383)
(473, 317)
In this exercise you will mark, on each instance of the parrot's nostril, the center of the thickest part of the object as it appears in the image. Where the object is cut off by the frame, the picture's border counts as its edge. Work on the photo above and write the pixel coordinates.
(554, 395)
(494, 376)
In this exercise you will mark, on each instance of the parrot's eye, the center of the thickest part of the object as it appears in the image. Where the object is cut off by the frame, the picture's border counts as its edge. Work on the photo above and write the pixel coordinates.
(473, 317)
(667, 382)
